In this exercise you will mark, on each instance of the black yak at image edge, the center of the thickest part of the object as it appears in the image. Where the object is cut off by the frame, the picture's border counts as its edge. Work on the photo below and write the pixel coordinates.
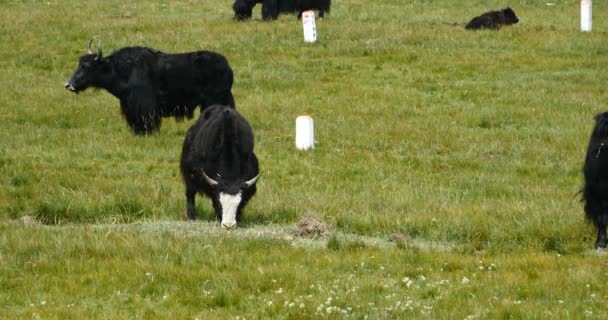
(271, 8)
(595, 171)
(151, 84)
(218, 161)
(493, 20)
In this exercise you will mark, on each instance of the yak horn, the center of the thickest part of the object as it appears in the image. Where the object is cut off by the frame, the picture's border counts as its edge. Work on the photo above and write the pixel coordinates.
(89, 50)
(250, 182)
(99, 50)
(211, 182)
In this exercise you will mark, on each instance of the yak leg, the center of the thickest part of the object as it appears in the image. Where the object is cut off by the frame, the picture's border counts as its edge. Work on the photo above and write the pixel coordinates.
(270, 9)
(190, 197)
(142, 111)
(601, 235)
(229, 99)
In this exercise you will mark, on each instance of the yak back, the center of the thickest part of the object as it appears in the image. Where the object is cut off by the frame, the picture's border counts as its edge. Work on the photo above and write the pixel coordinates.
(221, 143)
(199, 69)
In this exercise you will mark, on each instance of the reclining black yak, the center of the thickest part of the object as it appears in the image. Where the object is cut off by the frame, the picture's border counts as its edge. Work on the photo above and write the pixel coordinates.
(595, 171)
(271, 8)
(493, 20)
(218, 161)
(151, 84)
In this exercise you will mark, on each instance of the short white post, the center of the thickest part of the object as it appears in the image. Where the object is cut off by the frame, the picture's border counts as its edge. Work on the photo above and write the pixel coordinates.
(310, 29)
(305, 136)
(586, 15)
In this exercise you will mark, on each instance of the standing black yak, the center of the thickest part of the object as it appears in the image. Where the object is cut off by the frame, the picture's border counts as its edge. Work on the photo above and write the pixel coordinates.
(493, 20)
(595, 170)
(218, 161)
(272, 8)
(151, 84)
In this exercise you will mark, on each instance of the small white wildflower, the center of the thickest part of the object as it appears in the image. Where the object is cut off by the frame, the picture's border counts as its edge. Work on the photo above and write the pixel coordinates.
(518, 302)
(588, 286)
(592, 296)
(165, 297)
(588, 313)
(465, 280)
(408, 282)
(302, 305)
(279, 291)
(560, 301)
(328, 310)
(422, 278)
(42, 303)
(273, 281)
(269, 303)
(290, 305)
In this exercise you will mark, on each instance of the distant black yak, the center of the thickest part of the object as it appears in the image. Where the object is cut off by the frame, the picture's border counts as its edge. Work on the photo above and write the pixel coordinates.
(218, 161)
(272, 8)
(595, 170)
(493, 20)
(151, 84)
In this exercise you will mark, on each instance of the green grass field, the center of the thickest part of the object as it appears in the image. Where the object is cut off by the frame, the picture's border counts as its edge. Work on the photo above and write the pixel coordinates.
(469, 143)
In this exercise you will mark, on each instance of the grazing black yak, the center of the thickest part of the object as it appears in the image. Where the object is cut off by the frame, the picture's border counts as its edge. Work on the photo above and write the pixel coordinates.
(272, 8)
(595, 170)
(151, 84)
(218, 161)
(493, 20)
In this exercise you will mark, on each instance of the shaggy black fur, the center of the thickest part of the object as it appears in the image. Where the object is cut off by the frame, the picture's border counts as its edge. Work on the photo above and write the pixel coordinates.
(220, 144)
(151, 84)
(272, 8)
(595, 170)
(493, 20)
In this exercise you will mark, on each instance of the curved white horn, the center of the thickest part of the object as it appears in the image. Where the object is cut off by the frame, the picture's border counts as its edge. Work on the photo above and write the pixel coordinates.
(250, 182)
(211, 182)
(89, 50)
(99, 50)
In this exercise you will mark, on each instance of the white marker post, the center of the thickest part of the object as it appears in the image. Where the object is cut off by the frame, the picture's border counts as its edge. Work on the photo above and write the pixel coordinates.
(586, 15)
(305, 133)
(310, 29)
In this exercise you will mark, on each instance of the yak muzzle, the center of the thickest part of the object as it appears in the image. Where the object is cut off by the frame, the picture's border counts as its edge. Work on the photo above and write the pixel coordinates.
(228, 225)
(70, 87)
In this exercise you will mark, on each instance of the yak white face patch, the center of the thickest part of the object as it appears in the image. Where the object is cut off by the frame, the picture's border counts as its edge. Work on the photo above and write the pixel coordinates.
(229, 203)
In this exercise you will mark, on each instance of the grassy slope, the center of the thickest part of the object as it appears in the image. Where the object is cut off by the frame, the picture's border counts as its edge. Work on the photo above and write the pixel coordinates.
(473, 138)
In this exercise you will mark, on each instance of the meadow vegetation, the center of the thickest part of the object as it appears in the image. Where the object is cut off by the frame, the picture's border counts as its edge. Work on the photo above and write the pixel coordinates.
(471, 141)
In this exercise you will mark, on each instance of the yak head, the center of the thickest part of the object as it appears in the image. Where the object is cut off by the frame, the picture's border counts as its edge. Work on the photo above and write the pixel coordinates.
(229, 192)
(92, 69)
(243, 9)
(509, 16)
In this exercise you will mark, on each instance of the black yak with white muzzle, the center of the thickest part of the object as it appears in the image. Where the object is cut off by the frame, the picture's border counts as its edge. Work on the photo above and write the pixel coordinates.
(218, 161)
(595, 170)
(151, 84)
